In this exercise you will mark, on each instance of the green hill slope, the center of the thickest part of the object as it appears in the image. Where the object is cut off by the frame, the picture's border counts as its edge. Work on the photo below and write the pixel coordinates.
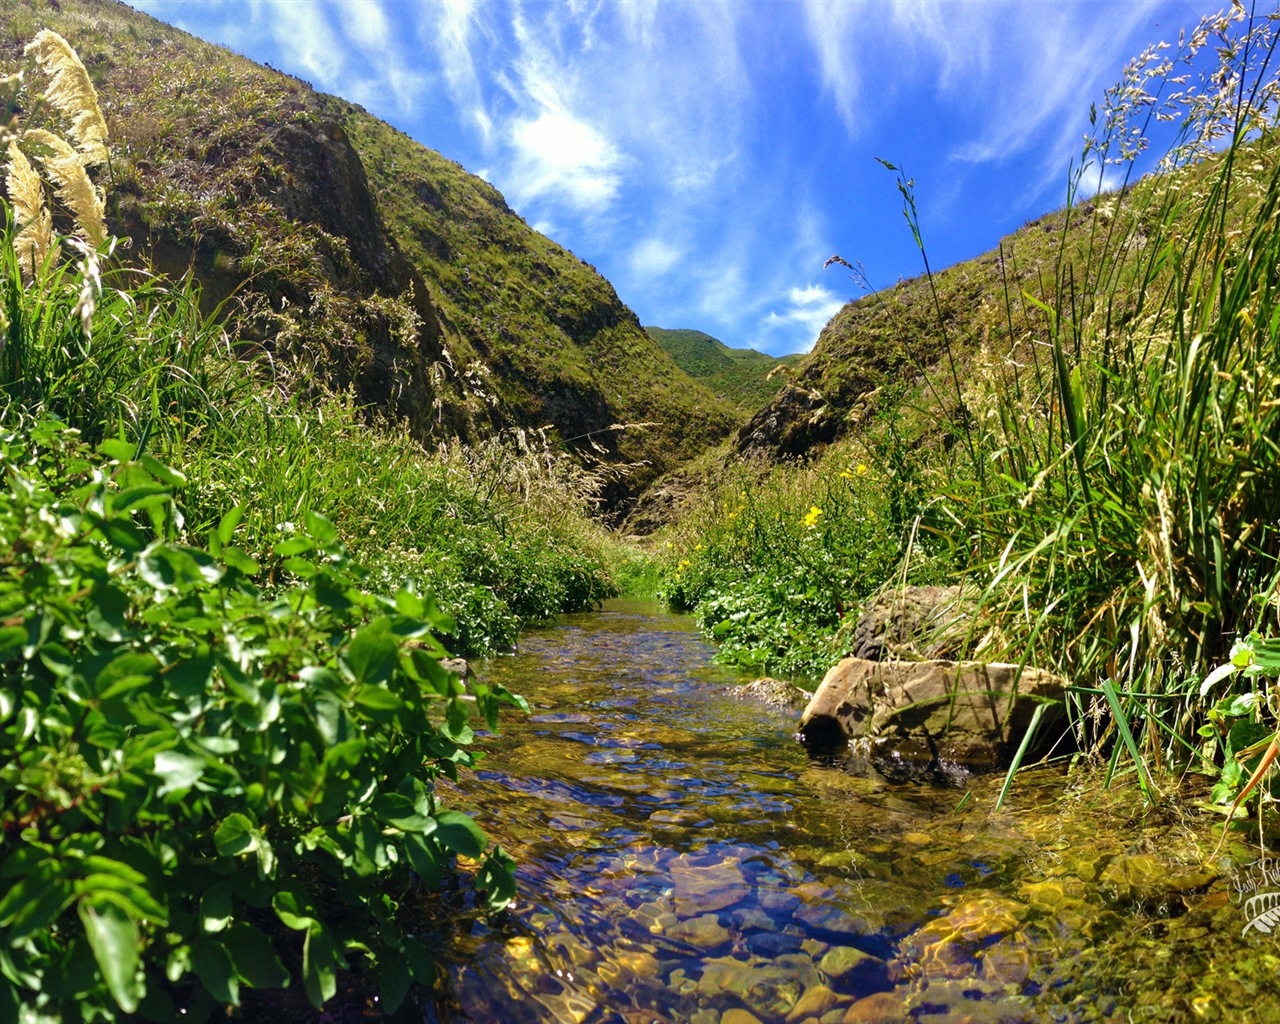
(741, 375)
(359, 259)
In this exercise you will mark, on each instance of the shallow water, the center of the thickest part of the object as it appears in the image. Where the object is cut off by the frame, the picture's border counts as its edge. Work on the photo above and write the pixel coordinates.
(683, 860)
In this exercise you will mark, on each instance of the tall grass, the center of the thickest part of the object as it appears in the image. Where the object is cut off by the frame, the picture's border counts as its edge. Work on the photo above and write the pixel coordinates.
(1134, 418)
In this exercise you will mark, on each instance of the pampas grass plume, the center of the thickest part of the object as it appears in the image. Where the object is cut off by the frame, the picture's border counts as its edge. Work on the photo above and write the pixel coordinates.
(67, 169)
(32, 220)
(72, 92)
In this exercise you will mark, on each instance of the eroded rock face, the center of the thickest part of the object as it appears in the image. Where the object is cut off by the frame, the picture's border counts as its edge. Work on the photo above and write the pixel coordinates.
(796, 423)
(917, 717)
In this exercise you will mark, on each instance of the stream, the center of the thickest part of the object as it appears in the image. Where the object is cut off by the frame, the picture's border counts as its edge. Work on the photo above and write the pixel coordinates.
(681, 859)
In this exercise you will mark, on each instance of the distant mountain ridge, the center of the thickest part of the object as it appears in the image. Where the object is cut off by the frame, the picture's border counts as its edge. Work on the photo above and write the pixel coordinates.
(743, 376)
(357, 258)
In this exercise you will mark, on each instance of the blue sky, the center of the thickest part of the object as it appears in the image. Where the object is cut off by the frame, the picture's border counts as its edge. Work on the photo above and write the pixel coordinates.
(708, 157)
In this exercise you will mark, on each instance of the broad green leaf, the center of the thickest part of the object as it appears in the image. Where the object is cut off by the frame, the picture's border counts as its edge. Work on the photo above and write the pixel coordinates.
(421, 964)
(459, 834)
(118, 449)
(34, 902)
(399, 811)
(294, 909)
(215, 908)
(497, 879)
(294, 546)
(319, 527)
(134, 496)
(228, 523)
(235, 835)
(165, 474)
(373, 651)
(394, 979)
(12, 640)
(107, 611)
(255, 957)
(113, 936)
(321, 962)
(423, 859)
(238, 560)
(178, 772)
(125, 672)
(410, 604)
(377, 698)
(119, 531)
(212, 965)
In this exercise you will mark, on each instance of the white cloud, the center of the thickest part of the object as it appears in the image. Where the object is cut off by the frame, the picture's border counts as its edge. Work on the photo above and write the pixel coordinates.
(809, 307)
(306, 40)
(364, 23)
(560, 156)
(654, 257)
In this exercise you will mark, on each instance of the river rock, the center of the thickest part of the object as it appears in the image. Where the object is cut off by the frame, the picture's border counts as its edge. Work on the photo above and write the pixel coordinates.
(977, 938)
(703, 888)
(912, 623)
(878, 1008)
(815, 1001)
(776, 693)
(1148, 878)
(703, 932)
(932, 716)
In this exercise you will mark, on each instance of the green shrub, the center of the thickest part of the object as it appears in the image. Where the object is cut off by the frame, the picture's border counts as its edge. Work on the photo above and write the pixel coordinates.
(197, 775)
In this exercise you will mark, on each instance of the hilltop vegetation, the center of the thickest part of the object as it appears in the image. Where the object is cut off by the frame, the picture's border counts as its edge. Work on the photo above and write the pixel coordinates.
(360, 259)
(743, 376)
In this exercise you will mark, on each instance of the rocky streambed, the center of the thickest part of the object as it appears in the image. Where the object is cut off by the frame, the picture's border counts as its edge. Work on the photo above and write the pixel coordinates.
(683, 860)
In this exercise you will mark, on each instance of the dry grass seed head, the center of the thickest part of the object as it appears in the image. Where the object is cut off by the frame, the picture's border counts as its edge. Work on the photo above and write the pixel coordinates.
(67, 169)
(72, 93)
(34, 225)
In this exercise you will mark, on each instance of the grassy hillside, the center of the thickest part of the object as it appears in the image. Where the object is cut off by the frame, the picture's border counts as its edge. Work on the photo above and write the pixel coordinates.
(743, 376)
(360, 259)
(1080, 429)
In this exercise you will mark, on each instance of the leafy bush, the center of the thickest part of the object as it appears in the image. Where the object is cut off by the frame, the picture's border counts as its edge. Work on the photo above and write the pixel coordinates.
(772, 566)
(200, 778)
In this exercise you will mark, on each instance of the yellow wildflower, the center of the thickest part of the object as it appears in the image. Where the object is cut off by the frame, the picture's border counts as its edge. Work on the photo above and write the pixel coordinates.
(811, 517)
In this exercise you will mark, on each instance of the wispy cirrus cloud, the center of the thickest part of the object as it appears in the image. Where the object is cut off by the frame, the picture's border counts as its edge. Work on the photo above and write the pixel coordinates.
(808, 307)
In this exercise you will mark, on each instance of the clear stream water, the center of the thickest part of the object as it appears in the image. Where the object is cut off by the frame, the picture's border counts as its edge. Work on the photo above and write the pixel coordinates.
(683, 860)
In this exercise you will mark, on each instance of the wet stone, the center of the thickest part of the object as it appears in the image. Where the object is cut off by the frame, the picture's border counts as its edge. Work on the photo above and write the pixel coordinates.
(851, 970)
(957, 944)
(771, 944)
(770, 989)
(704, 932)
(739, 1016)
(1147, 878)
(813, 1003)
(700, 888)
(778, 902)
(752, 919)
(880, 1008)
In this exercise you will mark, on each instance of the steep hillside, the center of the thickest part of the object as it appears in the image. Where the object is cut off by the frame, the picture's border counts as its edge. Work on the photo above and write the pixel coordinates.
(919, 337)
(742, 375)
(358, 258)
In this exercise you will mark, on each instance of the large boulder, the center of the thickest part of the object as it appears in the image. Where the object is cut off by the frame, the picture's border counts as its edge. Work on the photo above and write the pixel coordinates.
(921, 717)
